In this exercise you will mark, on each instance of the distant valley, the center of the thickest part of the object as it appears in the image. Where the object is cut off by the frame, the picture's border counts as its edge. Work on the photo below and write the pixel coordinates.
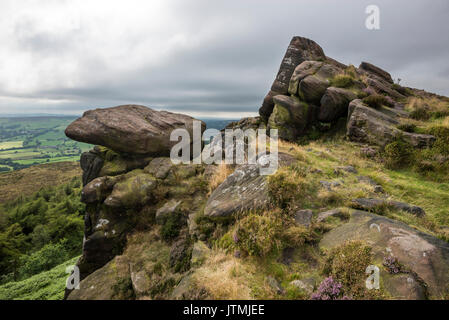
(31, 140)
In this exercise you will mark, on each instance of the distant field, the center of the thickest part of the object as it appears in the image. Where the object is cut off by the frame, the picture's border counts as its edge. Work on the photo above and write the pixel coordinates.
(26, 141)
(10, 144)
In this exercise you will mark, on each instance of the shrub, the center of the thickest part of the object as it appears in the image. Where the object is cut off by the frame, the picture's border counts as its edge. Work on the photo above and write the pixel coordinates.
(376, 101)
(329, 289)
(259, 235)
(347, 264)
(420, 113)
(398, 154)
(282, 188)
(172, 226)
(342, 81)
(418, 109)
(407, 127)
(297, 236)
(402, 90)
(288, 185)
(46, 258)
(441, 144)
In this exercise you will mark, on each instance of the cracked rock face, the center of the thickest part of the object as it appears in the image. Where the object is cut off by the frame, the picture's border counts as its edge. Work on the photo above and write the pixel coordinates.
(372, 126)
(244, 189)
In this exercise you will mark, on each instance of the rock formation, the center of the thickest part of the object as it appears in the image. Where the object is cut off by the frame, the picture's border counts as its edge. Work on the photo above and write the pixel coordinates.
(151, 225)
(311, 89)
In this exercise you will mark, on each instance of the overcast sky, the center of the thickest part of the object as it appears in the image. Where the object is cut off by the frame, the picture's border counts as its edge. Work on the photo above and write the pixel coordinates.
(205, 58)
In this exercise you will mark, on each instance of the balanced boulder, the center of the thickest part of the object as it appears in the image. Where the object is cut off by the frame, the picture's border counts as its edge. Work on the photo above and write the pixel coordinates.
(130, 129)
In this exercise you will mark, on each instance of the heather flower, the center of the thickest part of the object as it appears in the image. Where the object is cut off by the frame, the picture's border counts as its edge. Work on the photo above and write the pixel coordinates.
(392, 264)
(329, 289)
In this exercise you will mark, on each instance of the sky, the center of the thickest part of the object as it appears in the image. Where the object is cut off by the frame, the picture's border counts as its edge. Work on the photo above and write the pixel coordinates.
(205, 58)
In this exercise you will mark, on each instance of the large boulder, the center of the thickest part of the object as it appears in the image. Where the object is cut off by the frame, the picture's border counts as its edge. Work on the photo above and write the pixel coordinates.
(242, 190)
(300, 50)
(303, 70)
(312, 88)
(289, 116)
(133, 191)
(104, 283)
(384, 88)
(334, 104)
(421, 254)
(374, 127)
(370, 68)
(130, 129)
(373, 204)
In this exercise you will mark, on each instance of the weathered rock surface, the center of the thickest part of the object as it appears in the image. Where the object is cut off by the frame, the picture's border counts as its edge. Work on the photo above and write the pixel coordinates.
(300, 50)
(91, 164)
(200, 252)
(312, 88)
(97, 190)
(303, 217)
(371, 126)
(337, 212)
(373, 204)
(289, 116)
(244, 189)
(303, 70)
(102, 284)
(159, 167)
(131, 192)
(334, 104)
(423, 254)
(130, 129)
(370, 68)
(166, 210)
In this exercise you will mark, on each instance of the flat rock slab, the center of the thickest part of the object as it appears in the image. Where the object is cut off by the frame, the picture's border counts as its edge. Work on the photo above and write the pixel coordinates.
(337, 212)
(419, 252)
(371, 126)
(371, 204)
(130, 129)
(242, 190)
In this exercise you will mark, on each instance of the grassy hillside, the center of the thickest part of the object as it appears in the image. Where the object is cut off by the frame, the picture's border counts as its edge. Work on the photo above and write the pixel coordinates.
(47, 285)
(29, 180)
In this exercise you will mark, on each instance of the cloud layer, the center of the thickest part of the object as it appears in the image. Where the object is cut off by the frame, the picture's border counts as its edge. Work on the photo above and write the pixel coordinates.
(205, 58)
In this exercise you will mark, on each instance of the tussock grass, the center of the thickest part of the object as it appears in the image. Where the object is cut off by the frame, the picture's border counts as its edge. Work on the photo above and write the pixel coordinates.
(221, 173)
(225, 277)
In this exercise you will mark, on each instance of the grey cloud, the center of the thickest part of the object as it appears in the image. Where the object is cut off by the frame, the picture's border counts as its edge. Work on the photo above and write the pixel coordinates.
(233, 70)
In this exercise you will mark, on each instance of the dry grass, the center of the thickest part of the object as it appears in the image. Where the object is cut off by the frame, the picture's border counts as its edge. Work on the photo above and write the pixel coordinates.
(222, 172)
(224, 277)
(422, 106)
